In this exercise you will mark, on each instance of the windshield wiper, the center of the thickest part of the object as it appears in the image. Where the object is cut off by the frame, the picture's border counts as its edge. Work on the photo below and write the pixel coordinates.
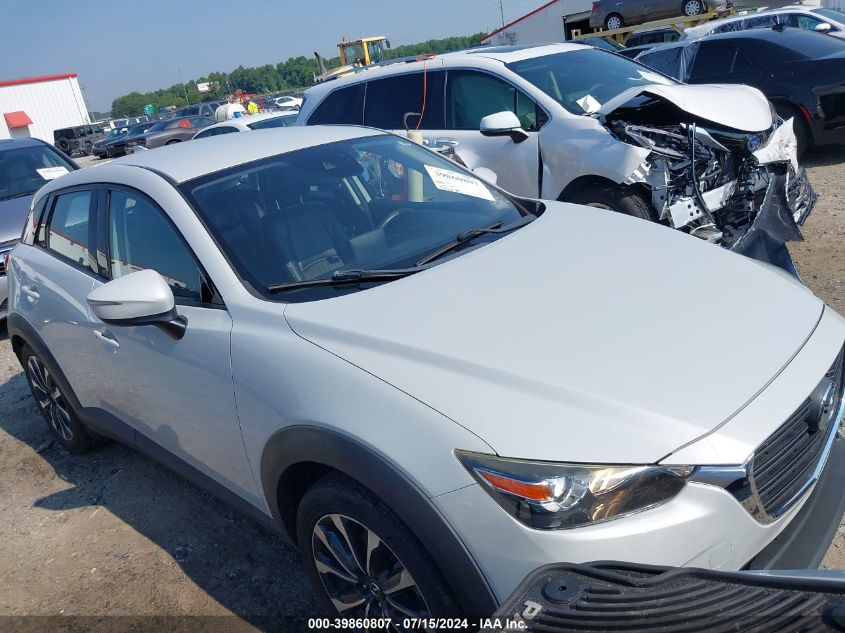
(346, 277)
(471, 234)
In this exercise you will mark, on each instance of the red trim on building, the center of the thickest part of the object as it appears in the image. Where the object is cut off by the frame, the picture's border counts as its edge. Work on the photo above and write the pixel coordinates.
(36, 80)
(17, 119)
(510, 24)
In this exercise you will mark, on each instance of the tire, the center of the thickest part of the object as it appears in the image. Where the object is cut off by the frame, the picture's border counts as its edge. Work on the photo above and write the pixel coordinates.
(54, 406)
(338, 514)
(799, 125)
(64, 146)
(172, 141)
(693, 7)
(89, 148)
(615, 19)
(615, 198)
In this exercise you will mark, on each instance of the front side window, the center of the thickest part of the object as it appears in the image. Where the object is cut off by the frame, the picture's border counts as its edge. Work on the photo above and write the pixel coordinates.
(371, 203)
(390, 99)
(217, 131)
(583, 80)
(67, 230)
(345, 105)
(141, 237)
(471, 96)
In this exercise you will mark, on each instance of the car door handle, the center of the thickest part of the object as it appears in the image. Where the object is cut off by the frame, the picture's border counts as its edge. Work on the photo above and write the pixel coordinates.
(30, 291)
(106, 338)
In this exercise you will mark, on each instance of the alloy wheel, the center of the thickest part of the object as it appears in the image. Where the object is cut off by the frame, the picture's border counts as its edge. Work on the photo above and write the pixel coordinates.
(49, 398)
(614, 23)
(361, 575)
(693, 7)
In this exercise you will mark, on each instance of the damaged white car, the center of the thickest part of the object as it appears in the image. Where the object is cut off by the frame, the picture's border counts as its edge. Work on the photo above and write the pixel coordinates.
(579, 124)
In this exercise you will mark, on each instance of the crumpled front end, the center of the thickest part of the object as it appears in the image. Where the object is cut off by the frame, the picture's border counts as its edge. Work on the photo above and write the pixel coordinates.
(742, 190)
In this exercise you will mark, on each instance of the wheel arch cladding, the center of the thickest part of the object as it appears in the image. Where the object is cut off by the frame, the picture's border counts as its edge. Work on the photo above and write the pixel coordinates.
(296, 457)
(22, 333)
(583, 183)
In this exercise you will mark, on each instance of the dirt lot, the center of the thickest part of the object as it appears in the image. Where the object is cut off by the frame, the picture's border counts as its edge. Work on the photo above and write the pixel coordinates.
(115, 534)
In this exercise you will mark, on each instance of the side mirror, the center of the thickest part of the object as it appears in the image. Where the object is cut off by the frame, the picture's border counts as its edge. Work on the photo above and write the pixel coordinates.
(503, 123)
(822, 27)
(141, 298)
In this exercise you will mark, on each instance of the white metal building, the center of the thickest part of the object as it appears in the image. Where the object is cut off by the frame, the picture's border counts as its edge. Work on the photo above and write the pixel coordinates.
(35, 106)
(555, 21)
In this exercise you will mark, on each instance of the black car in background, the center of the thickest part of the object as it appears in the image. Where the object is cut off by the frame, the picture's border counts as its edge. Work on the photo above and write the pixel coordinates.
(801, 72)
(115, 143)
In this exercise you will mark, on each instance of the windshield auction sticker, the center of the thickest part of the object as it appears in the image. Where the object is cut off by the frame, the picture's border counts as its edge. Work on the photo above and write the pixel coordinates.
(50, 173)
(447, 180)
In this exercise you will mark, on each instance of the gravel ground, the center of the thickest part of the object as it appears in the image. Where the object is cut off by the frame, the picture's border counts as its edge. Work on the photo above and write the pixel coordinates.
(113, 533)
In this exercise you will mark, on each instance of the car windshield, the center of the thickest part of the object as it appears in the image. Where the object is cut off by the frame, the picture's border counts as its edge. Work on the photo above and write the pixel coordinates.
(374, 203)
(276, 121)
(24, 170)
(583, 80)
(830, 14)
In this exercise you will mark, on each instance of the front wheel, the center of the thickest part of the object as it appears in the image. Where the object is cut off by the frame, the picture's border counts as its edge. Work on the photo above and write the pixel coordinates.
(615, 198)
(363, 560)
(54, 405)
(693, 7)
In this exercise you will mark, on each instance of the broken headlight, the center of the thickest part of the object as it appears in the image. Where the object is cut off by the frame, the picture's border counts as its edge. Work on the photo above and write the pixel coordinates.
(546, 495)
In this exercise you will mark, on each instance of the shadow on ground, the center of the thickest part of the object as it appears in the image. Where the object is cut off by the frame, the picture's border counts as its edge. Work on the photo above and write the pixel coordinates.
(823, 156)
(240, 565)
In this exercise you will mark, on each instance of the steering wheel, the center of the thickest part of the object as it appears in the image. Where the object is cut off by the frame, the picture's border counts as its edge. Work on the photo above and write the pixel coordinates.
(391, 217)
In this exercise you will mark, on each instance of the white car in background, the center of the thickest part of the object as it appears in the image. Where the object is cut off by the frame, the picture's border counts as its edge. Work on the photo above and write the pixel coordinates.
(430, 386)
(247, 123)
(578, 124)
(819, 19)
(288, 101)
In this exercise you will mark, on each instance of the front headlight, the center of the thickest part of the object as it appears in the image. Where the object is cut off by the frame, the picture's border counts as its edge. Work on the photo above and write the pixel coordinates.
(546, 495)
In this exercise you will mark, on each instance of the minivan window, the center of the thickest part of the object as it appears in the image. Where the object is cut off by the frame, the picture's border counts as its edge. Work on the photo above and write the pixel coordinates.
(388, 100)
(67, 230)
(583, 80)
(345, 105)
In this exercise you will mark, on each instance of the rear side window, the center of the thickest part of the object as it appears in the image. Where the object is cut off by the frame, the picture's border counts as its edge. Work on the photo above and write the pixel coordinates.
(341, 106)
(276, 121)
(226, 129)
(140, 237)
(388, 100)
(67, 230)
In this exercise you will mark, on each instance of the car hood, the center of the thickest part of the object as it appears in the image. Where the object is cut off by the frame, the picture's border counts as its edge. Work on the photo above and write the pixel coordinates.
(13, 214)
(735, 106)
(585, 336)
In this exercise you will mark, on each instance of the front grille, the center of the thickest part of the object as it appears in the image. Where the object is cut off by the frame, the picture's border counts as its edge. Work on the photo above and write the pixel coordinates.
(785, 464)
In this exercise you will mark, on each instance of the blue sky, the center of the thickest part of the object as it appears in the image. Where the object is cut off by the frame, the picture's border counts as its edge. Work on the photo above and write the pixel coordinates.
(118, 46)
